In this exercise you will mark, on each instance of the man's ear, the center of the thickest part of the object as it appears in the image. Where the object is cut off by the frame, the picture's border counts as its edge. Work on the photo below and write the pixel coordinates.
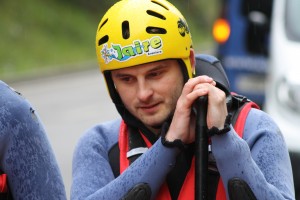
(192, 59)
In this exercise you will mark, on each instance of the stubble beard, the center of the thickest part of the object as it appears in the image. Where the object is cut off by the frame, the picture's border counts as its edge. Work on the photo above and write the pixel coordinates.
(165, 117)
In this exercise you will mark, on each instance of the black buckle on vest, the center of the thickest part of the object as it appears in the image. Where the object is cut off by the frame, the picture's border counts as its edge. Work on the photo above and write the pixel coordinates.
(239, 189)
(141, 191)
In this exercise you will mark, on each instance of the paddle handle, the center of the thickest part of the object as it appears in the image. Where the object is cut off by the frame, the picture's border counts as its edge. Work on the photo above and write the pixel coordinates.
(201, 149)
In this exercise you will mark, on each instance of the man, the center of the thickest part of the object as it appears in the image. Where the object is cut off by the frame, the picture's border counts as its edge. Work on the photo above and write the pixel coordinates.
(28, 166)
(144, 51)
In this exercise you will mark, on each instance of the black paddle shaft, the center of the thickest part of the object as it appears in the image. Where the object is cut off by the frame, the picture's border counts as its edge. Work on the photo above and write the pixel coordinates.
(201, 149)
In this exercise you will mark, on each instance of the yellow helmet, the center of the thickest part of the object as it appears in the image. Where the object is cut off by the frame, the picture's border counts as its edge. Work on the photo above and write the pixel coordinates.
(134, 32)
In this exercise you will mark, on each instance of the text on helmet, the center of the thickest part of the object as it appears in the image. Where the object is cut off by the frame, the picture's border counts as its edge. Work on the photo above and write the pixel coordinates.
(120, 53)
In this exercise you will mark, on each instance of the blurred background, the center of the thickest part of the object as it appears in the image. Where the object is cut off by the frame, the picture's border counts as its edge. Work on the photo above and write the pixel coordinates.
(43, 37)
(47, 52)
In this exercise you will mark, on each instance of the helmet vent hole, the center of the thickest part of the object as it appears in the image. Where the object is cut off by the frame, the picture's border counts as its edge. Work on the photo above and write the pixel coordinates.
(102, 24)
(160, 5)
(103, 40)
(155, 14)
(155, 30)
(125, 30)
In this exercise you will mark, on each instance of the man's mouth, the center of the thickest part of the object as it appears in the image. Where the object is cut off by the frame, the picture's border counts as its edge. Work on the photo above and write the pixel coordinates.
(150, 109)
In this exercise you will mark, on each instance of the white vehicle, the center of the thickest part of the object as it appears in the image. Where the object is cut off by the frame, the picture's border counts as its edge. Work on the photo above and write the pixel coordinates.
(283, 81)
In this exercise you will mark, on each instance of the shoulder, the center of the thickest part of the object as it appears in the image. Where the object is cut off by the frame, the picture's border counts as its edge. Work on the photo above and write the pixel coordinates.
(260, 126)
(10, 98)
(19, 121)
(14, 107)
(103, 135)
(260, 120)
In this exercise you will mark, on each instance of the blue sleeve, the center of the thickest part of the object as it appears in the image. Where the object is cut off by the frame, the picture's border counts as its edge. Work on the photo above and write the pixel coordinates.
(25, 153)
(93, 177)
(261, 158)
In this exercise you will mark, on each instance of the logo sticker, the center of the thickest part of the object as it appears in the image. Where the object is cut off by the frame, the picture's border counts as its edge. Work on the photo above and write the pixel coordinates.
(149, 47)
(183, 27)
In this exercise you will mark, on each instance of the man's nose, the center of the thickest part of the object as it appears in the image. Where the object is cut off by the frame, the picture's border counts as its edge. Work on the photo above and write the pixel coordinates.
(144, 91)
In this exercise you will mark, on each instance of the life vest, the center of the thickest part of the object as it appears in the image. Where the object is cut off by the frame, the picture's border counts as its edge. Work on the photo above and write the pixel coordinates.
(239, 110)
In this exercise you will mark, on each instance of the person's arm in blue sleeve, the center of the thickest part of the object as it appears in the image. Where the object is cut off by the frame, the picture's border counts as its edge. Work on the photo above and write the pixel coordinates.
(25, 152)
(93, 177)
(261, 159)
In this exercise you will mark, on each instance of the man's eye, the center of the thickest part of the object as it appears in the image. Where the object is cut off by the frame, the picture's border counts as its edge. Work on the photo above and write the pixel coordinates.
(155, 74)
(126, 79)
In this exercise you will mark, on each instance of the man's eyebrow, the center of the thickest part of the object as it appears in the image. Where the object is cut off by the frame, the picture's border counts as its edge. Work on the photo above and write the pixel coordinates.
(124, 74)
(120, 75)
(159, 67)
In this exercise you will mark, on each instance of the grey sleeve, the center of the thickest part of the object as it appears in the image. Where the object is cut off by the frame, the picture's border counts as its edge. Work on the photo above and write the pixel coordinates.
(25, 152)
(93, 177)
(261, 158)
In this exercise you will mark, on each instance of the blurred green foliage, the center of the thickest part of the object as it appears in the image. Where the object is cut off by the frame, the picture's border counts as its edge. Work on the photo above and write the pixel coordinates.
(51, 35)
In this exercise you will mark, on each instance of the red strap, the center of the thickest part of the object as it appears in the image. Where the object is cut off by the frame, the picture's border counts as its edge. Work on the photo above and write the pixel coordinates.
(124, 162)
(123, 145)
(221, 193)
(241, 120)
(188, 188)
(3, 183)
(148, 143)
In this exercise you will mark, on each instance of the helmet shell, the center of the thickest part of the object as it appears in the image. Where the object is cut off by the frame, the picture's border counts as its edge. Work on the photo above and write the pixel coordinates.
(134, 32)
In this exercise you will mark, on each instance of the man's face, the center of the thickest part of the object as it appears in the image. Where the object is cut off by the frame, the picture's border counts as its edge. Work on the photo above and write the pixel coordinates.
(150, 91)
